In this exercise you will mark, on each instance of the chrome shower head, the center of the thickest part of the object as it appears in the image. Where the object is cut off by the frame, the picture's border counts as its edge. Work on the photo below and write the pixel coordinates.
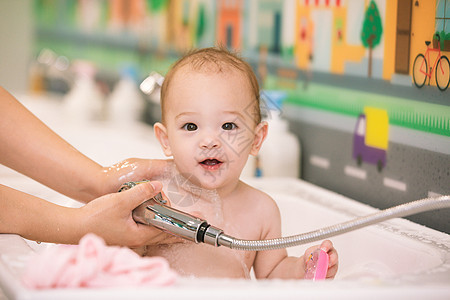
(154, 212)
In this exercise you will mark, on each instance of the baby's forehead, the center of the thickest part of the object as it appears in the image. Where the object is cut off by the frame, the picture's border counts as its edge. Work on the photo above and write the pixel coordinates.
(185, 75)
(209, 68)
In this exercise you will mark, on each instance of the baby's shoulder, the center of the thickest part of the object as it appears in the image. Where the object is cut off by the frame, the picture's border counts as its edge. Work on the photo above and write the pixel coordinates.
(262, 210)
(258, 199)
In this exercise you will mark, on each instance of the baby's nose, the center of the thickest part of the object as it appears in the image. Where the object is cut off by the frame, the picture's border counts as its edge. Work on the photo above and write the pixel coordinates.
(210, 141)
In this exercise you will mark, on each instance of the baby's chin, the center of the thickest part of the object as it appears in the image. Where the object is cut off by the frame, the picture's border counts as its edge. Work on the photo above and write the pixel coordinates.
(210, 186)
(208, 178)
(209, 181)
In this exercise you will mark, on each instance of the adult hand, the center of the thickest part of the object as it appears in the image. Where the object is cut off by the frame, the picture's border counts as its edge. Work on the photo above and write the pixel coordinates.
(110, 179)
(110, 217)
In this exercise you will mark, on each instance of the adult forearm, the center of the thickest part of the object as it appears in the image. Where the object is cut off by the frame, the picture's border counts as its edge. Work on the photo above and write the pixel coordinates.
(108, 216)
(28, 146)
(37, 219)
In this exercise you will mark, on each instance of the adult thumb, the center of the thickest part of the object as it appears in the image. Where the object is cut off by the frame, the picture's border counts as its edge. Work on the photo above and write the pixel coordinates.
(142, 192)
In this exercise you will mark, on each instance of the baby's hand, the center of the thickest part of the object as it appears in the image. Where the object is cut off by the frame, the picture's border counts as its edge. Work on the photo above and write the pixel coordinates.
(326, 246)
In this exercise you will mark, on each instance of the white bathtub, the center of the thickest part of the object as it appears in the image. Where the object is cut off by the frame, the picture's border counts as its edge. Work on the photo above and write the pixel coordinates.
(397, 259)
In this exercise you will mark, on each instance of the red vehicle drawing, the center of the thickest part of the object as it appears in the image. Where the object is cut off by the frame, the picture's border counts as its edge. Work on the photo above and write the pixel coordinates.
(441, 67)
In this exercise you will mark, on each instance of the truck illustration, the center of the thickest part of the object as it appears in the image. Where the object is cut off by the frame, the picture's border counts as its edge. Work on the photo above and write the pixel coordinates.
(371, 137)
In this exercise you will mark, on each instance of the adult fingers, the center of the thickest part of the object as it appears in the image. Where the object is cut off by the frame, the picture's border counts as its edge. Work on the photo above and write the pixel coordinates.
(141, 192)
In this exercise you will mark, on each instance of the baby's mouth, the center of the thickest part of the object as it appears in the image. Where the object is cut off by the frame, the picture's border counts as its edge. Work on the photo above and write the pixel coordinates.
(211, 163)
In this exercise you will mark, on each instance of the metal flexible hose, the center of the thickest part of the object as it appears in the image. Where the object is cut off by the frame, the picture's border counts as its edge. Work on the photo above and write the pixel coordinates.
(399, 211)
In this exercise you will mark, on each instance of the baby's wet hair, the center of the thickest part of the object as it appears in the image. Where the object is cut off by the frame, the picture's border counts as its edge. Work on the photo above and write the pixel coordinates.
(214, 60)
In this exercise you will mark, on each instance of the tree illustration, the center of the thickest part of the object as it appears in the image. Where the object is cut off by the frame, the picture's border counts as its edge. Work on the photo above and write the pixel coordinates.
(201, 23)
(157, 5)
(371, 30)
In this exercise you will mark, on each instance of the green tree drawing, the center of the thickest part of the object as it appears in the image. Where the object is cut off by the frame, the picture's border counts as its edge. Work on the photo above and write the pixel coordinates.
(201, 23)
(157, 5)
(371, 31)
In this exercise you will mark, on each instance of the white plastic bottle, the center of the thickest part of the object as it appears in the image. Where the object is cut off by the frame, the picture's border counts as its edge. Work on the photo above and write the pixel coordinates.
(126, 103)
(84, 101)
(280, 153)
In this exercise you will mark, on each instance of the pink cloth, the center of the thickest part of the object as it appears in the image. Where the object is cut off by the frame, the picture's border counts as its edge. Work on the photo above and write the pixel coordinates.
(93, 264)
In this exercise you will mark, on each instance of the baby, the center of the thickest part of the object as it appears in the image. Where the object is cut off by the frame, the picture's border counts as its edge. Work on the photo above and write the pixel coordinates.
(211, 123)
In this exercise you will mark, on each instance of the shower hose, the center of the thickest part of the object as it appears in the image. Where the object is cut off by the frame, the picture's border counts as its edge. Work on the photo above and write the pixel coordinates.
(399, 211)
(154, 212)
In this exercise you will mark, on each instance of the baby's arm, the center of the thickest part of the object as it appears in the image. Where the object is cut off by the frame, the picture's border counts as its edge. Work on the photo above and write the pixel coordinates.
(276, 263)
(267, 263)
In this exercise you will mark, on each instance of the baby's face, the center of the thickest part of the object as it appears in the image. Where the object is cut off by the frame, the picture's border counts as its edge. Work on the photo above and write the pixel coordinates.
(211, 127)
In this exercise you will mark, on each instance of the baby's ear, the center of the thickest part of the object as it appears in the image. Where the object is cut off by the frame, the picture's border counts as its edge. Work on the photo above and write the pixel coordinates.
(260, 136)
(161, 134)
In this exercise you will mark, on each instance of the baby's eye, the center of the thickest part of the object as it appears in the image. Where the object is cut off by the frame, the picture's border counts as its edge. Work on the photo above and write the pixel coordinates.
(229, 126)
(190, 127)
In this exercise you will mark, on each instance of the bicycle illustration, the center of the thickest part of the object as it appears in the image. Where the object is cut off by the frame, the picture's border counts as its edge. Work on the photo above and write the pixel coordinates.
(441, 67)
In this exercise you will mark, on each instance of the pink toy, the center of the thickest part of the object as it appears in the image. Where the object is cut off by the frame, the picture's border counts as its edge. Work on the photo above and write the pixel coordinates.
(317, 265)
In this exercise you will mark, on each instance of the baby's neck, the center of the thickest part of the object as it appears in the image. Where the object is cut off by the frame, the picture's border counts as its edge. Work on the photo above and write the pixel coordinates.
(228, 190)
